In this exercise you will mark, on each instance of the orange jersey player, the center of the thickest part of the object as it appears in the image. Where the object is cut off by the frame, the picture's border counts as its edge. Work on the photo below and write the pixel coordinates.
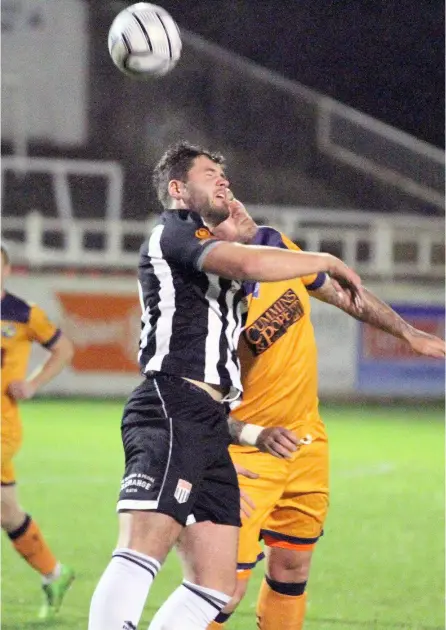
(279, 374)
(23, 324)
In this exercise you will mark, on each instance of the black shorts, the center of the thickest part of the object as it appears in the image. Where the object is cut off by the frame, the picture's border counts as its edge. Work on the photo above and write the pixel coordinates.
(175, 439)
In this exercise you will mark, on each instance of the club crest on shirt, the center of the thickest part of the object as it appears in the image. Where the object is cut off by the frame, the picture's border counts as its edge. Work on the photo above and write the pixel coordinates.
(274, 322)
(8, 330)
(182, 491)
(202, 233)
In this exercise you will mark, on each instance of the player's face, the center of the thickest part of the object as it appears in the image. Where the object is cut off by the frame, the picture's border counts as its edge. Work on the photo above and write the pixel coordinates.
(206, 190)
(5, 269)
(239, 226)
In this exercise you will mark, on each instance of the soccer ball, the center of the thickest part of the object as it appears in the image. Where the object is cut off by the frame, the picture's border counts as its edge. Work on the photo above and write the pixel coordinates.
(144, 41)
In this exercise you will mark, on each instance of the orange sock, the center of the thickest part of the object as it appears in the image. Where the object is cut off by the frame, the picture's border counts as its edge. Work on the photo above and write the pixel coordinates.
(215, 626)
(30, 544)
(277, 610)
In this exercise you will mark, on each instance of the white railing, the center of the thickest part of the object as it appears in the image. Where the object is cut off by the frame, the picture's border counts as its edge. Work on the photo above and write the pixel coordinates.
(386, 153)
(59, 170)
(397, 246)
(350, 136)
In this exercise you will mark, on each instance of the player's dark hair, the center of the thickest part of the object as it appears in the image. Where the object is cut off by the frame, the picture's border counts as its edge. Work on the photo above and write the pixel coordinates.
(5, 254)
(175, 164)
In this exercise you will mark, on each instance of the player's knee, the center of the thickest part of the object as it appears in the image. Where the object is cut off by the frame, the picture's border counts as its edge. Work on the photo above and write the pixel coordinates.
(297, 574)
(225, 581)
(289, 566)
(12, 516)
(228, 585)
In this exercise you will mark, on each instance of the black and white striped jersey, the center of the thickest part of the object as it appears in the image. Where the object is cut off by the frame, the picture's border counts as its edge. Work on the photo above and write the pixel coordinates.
(191, 320)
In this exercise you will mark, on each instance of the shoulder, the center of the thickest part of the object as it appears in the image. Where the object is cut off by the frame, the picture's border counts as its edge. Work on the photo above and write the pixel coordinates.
(181, 219)
(175, 226)
(183, 223)
(15, 309)
(267, 235)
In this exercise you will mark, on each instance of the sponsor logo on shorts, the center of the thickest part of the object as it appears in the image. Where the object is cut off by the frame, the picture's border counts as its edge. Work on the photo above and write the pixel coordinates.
(182, 491)
(136, 481)
(128, 625)
(274, 322)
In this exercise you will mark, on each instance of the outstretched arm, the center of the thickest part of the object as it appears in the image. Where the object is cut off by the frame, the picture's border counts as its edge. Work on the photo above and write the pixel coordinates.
(380, 315)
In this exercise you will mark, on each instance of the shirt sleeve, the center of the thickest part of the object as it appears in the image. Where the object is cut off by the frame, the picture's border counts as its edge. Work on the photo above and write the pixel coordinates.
(313, 281)
(41, 329)
(186, 244)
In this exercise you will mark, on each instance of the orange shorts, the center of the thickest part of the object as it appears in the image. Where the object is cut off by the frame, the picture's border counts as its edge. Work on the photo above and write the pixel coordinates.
(11, 440)
(291, 499)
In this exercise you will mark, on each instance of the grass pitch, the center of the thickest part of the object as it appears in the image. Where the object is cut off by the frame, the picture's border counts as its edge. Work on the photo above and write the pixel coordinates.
(379, 566)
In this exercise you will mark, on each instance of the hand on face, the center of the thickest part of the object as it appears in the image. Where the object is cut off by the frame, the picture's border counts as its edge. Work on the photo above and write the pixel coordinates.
(239, 226)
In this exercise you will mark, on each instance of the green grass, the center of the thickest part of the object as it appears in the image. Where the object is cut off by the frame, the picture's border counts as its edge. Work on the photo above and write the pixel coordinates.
(379, 566)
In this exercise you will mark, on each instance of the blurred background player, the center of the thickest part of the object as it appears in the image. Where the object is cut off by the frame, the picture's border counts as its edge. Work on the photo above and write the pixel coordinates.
(22, 324)
(279, 373)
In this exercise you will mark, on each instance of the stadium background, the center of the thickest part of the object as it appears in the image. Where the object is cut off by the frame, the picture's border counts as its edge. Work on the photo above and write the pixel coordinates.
(78, 144)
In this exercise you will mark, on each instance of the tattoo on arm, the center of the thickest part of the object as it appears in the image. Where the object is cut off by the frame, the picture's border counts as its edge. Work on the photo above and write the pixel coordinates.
(374, 312)
(235, 428)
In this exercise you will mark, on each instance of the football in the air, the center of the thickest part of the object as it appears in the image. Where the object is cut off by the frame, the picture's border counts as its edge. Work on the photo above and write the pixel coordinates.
(144, 41)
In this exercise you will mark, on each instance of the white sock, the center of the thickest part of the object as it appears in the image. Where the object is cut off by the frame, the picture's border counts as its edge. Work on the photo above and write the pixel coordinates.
(190, 607)
(119, 598)
(47, 579)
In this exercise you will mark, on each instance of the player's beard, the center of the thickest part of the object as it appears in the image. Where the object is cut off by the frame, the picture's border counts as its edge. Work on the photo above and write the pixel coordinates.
(202, 202)
(214, 216)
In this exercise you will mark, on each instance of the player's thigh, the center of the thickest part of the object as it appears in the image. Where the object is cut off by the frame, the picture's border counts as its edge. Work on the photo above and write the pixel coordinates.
(264, 491)
(208, 554)
(11, 441)
(151, 533)
(298, 518)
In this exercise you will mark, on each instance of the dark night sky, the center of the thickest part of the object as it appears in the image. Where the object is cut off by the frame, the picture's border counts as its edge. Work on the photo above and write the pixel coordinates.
(385, 58)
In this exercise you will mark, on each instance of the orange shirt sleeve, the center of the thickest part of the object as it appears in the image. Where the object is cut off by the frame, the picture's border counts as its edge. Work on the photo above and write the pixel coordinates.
(41, 329)
(313, 281)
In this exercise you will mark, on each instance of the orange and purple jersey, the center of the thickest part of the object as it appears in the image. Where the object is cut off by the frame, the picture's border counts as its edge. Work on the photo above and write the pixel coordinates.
(278, 349)
(22, 324)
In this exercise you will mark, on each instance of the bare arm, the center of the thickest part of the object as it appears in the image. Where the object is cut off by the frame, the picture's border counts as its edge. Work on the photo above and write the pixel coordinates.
(271, 264)
(276, 441)
(235, 428)
(380, 315)
(61, 354)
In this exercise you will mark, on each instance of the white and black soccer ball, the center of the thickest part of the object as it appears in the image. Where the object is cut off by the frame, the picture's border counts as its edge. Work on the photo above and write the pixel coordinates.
(144, 41)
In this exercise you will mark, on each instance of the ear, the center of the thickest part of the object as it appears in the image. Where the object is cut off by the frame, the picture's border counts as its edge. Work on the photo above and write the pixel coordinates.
(175, 189)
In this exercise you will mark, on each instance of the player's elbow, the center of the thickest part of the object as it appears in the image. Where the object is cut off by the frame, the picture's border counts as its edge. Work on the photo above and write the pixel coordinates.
(64, 349)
